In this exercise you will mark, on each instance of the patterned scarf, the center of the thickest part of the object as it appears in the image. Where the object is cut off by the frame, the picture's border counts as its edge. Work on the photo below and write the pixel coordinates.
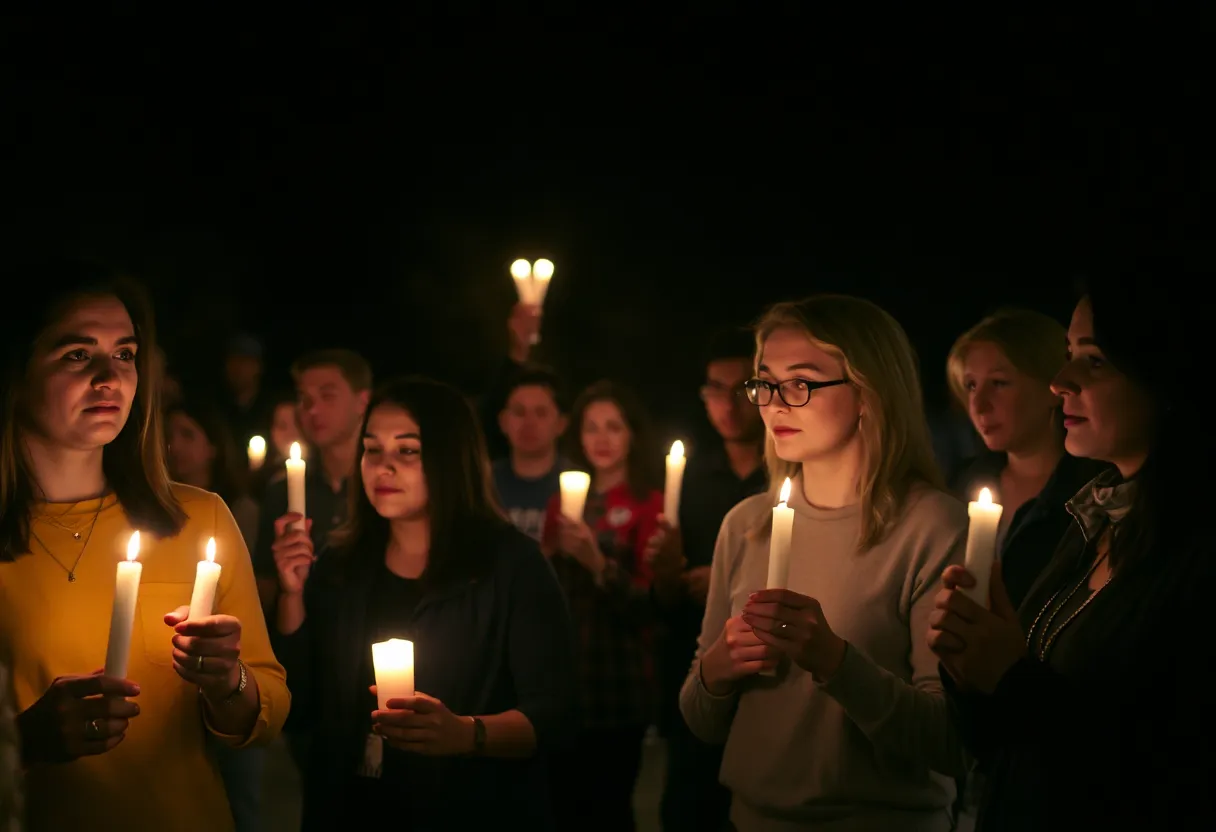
(1107, 498)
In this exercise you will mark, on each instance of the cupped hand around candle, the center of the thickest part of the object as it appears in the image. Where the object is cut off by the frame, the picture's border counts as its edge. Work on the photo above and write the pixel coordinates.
(422, 724)
(977, 646)
(207, 652)
(796, 626)
(78, 716)
(575, 538)
(738, 652)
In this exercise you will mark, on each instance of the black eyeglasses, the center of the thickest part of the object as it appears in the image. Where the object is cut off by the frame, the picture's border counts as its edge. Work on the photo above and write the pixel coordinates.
(795, 392)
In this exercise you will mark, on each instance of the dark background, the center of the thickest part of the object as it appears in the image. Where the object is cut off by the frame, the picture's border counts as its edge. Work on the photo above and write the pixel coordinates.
(366, 182)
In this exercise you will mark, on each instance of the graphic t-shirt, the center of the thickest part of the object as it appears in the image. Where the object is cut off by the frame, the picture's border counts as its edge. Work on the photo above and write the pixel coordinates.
(525, 500)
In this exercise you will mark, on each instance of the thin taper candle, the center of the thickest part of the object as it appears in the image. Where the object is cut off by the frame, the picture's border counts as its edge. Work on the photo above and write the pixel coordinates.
(122, 616)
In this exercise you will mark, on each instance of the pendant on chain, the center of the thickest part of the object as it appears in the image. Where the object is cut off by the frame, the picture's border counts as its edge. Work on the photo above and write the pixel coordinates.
(76, 535)
(71, 577)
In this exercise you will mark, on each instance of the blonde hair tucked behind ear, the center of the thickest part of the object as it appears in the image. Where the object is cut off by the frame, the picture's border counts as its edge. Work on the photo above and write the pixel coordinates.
(1033, 343)
(878, 360)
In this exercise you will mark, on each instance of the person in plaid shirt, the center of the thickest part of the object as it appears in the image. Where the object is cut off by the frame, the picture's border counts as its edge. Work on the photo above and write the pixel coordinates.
(601, 566)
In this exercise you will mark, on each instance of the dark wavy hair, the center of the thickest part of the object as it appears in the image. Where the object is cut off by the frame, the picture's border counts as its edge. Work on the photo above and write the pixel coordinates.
(227, 470)
(134, 462)
(464, 514)
(644, 458)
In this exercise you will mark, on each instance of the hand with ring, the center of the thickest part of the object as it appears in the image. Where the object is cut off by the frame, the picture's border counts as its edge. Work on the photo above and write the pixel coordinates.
(796, 626)
(78, 716)
(207, 652)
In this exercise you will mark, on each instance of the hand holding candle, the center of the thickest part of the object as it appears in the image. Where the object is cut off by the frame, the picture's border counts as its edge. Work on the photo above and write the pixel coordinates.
(675, 481)
(393, 661)
(295, 485)
(574, 487)
(202, 601)
(122, 616)
(981, 544)
(256, 452)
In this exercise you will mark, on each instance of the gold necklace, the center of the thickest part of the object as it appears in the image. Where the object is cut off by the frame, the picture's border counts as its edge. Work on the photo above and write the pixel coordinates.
(71, 572)
(1047, 639)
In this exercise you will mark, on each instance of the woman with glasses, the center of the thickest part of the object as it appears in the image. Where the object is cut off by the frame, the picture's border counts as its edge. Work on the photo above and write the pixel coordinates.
(822, 689)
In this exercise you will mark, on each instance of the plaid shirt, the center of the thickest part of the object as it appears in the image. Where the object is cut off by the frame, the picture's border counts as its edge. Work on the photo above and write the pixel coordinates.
(613, 620)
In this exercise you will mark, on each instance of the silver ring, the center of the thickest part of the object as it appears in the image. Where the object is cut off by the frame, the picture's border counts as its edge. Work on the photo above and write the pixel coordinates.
(782, 627)
(200, 663)
(92, 729)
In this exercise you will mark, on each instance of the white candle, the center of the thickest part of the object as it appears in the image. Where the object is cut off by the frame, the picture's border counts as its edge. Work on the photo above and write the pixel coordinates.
(394, 664)
(122, 617)
(542, 273)
(295, 484)
(256, 452)
(675, 480)
(779, 542)
(981, 544)
(521, 272)
(574, 485)
(202, 600)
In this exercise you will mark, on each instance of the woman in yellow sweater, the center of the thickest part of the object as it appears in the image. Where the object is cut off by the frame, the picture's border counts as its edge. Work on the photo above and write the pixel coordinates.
(81, 468)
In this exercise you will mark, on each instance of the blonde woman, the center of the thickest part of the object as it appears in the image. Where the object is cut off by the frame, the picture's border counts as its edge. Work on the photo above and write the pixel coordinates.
(1000, 372)
(850, 732)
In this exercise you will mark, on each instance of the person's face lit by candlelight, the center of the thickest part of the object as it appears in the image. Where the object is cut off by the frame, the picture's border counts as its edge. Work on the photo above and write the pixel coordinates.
(726, 405)
(532, 420)
(1010, 409)
(82, 378)
(330, 408)
(1106, 415)
(191, 453)
(391, 466)
(605, 436)
(284, 429)
(823, 422)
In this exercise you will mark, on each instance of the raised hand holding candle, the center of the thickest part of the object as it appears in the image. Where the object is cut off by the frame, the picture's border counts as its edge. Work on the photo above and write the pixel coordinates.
(574, 485)
(256, 452)
(981, 544)
(779, 542)
(295, 484)
(393, 661)
(202, 600)
(122, 616)
(675, 481)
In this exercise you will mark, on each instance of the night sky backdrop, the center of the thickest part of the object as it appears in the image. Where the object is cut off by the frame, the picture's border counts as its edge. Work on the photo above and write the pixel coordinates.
(366, 183)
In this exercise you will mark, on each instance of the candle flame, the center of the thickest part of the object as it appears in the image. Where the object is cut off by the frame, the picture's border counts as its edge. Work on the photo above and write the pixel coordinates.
(542, 269)
(133, 546)
(257, 444)
(520, 269)
(677, 449)
(295, 451)
(211, 550)
(785, 491)
(985, 497)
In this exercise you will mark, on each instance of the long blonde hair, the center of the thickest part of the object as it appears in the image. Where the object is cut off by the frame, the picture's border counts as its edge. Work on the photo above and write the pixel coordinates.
(878, 360)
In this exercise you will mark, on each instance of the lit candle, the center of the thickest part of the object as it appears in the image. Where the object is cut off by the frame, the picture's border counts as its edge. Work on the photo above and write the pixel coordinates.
(779, 543)
(394, 664)
(122, 617)
(295, 484)
(542, 273)
(675, 480)
(521, 272)
(257, 453)
(574, 485)
(981, 544)
(202, 601)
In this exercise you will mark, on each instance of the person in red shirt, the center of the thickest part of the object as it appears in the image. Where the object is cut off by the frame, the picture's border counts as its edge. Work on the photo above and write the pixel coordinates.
(601, 566)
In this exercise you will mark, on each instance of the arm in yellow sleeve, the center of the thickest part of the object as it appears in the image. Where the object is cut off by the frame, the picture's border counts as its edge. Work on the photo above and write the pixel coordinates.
(237, 595)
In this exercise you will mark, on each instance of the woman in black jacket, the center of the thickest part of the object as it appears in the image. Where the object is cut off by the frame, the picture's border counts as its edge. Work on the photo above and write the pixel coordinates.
(426, 556)
(1089, 708)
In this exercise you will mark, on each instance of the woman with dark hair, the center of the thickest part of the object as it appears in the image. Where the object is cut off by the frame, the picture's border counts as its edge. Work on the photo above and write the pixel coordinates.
(81, 469)
(426, 556)
(600, 561)
(1088, 707)
(200, 452)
